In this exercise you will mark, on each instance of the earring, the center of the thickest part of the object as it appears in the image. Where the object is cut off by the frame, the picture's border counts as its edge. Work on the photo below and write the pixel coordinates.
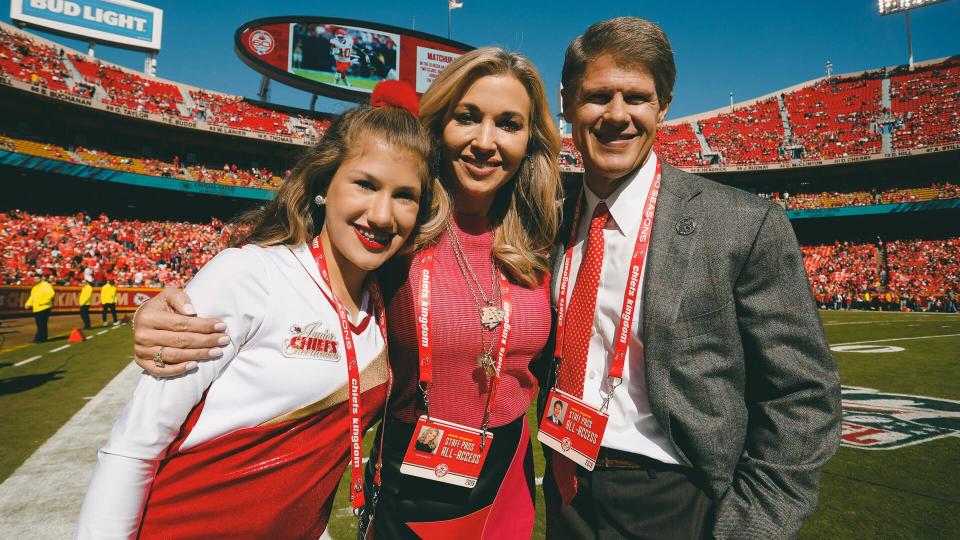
(320, 200)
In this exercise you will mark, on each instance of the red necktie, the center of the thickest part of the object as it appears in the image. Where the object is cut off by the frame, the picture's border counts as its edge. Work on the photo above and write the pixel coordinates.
(576, 340)
(582, 308)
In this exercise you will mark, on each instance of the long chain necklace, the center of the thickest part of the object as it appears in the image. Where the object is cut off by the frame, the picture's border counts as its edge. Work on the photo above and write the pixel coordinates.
(490, 309)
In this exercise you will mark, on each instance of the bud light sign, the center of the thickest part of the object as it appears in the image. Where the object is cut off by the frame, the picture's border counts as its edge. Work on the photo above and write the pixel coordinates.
(119, 22)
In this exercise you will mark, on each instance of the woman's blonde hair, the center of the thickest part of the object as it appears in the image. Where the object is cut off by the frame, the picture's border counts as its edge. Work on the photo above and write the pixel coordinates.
(524, 213)
(293, 218)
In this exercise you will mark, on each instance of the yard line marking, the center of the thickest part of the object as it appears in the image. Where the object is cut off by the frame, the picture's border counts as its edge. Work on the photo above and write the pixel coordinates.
(58, 349)
(27, 361)
(102, 332)
(860, 322)
(894, 339)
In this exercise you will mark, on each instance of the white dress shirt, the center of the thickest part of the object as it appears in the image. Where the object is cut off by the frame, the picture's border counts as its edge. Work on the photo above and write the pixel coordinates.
(631, 428)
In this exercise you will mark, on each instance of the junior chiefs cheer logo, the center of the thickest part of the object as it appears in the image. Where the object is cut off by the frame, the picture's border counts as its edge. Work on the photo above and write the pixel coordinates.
(261, 42)
(311, 340)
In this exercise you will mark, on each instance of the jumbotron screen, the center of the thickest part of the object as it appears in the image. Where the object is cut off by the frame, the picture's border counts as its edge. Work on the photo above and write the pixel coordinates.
(342, 58)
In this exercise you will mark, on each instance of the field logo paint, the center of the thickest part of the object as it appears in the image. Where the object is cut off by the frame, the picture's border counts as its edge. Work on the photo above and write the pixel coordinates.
(866, 348)
(875, 420)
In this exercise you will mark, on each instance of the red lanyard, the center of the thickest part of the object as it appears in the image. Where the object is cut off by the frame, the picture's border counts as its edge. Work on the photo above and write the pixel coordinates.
(425, 347)
(633, 280)
(353, 376)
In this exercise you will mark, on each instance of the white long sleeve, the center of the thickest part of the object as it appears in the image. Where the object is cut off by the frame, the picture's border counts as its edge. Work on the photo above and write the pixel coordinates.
(233, 287)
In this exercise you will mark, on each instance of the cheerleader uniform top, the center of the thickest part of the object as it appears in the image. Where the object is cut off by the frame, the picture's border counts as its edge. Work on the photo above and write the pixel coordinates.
(253, 443)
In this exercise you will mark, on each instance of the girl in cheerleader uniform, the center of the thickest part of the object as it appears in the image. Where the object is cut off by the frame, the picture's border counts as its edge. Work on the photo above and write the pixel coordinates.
(254, 443)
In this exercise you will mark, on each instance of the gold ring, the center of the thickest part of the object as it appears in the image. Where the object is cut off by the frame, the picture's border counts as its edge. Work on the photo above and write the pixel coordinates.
(158, 359)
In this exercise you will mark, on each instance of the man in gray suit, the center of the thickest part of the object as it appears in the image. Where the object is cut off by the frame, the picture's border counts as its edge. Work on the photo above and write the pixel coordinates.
(729, 403)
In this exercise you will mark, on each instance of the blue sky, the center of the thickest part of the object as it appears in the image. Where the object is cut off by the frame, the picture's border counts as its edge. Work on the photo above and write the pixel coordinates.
(750, 48)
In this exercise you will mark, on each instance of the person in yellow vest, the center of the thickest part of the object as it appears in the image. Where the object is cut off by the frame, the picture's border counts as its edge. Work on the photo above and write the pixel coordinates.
(108, 297)
(86, 295)
(41, 300)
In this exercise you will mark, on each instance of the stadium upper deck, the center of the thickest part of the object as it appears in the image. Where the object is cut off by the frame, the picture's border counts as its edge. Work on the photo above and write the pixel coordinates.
(890, 112)
(29, 62)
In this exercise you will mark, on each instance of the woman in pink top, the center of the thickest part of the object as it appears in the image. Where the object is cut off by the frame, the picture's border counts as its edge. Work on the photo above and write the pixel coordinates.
(498, 163)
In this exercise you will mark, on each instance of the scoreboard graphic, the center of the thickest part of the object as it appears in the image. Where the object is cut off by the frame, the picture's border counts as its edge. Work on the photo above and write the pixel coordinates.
(342, 58)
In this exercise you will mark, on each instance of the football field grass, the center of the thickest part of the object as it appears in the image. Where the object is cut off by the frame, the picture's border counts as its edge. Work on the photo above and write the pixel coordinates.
(327, 77)
(906, 491)
(53, 381)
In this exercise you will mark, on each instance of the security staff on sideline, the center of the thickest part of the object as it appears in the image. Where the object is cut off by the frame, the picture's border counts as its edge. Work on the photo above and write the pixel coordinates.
(108, 297)
(41, 300)
(86, 295)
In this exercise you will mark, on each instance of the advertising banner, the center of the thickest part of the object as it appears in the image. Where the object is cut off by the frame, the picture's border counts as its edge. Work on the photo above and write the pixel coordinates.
(13, 297)
(119, 22)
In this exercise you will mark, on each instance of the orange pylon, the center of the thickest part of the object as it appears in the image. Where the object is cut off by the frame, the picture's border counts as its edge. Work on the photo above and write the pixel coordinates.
(76, 336)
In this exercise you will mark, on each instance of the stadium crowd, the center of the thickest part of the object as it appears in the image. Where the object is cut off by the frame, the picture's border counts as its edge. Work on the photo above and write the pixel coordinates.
(31, 60)
(78, 247)
(836, 199)
(927, 102)
(677, 144)
(836, 117)
(228, 174)
(913, 274)
(926, 268)
(748, 135)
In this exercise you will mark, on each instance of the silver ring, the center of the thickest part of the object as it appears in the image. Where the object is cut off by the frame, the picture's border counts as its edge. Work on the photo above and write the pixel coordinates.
(158, 359)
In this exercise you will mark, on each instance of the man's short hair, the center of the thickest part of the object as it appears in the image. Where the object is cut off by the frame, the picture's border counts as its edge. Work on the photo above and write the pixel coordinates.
(633, 42)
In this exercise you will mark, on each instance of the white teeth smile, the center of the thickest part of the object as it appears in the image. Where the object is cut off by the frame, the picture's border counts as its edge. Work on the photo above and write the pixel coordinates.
(480, 164)
(370, 235)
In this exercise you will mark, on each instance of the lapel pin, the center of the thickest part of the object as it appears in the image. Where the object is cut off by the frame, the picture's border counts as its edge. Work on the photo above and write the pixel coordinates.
(686, 226)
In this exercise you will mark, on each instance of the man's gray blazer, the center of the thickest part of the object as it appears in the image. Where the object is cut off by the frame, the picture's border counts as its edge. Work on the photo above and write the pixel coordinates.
(739, 374)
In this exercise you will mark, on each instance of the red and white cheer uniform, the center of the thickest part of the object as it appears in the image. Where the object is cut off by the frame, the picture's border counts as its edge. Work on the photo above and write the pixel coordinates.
(254, 443)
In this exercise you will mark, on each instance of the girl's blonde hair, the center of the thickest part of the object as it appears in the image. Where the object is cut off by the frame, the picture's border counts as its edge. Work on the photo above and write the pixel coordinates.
(292, 217)
(524, 214)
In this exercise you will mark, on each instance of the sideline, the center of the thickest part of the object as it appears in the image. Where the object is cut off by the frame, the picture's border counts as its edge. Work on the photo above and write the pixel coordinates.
(41, 499)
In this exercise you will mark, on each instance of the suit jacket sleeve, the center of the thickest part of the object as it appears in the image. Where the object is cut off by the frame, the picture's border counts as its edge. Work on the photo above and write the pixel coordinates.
(792, 392)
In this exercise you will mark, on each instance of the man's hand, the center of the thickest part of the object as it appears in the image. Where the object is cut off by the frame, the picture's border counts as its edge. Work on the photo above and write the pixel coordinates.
(169, 320)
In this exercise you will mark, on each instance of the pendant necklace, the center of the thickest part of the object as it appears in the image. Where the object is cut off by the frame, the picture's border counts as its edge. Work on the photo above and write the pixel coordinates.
(490, 309)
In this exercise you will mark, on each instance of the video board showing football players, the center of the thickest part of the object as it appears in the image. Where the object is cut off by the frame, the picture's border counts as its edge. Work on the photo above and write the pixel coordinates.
(357, 58)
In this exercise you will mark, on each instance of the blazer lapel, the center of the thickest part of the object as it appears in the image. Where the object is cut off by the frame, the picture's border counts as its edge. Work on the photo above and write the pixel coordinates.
(664, 276)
